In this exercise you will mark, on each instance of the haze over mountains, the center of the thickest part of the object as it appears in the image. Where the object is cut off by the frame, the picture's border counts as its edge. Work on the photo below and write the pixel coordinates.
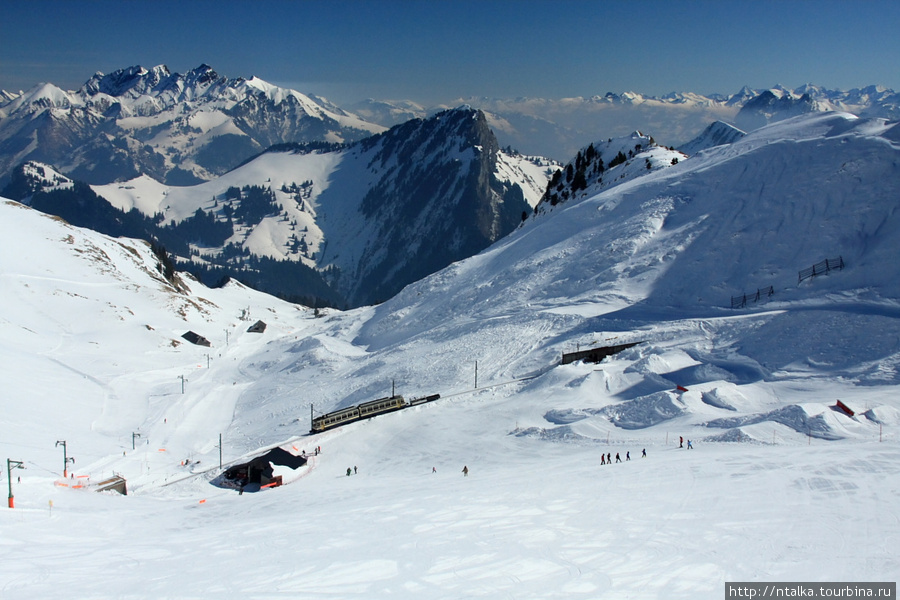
(560, 127)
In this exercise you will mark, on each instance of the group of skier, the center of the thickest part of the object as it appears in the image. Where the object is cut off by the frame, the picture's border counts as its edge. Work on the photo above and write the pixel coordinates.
(606, 459)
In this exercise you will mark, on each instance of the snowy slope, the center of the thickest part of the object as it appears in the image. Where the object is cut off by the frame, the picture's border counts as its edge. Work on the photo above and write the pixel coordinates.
(605, 164)
(716, 134)
(777, 485)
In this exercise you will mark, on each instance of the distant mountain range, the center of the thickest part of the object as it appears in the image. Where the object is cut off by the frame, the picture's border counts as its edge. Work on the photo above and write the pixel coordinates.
(560, 127)
(178, 129)
(183, 129)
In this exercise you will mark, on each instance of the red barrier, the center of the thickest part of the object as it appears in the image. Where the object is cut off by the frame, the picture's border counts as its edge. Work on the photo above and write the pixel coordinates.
(845, 408)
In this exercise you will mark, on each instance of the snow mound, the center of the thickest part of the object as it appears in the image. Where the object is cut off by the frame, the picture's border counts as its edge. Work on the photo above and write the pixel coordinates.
(735, 435)
(645, 411)
(795, 416)
(719, 398)
(563, 434)
(883, 415)
(567, 416)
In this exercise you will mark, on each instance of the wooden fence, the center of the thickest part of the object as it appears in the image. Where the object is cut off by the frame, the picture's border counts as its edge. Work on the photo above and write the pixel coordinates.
(823, 268)
(742, 300)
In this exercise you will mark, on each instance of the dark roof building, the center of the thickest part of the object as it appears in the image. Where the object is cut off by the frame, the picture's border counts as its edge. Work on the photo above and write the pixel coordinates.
(196, 339)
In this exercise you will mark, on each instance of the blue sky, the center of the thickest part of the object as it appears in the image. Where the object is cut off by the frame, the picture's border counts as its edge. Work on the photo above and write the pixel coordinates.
(432, 51)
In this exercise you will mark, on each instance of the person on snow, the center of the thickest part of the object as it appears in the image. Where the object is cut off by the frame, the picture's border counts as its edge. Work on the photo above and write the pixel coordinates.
(628, 455)
(644, 453)
(602, 459)
(434, 469)
(680, 442)
(690, 447)
(617, 457)
(354, 469)
(608, 458)
(349, 470)
(465, 471)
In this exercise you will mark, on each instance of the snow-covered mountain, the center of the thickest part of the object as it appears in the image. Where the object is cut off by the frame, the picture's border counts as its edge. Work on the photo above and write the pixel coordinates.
(370, 217)
(173, 127)
(390, 113)
(765, 378)
(605, 164)
(181, 129)
(717, 134)
(779, 476)
(774, 105)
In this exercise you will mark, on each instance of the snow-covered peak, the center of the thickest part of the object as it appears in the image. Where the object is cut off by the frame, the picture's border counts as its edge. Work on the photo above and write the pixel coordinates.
(43, 95)
(774, 105)
(188, 126)
(6, 96)
(131, 82)
(607, 163)
(716, 134)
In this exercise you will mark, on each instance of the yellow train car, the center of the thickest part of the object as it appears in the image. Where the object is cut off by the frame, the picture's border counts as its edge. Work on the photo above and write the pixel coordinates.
(380, 406)
(335, 419)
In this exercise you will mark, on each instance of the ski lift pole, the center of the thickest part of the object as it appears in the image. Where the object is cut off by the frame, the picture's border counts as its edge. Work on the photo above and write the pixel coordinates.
(66, 458)
(10, 465)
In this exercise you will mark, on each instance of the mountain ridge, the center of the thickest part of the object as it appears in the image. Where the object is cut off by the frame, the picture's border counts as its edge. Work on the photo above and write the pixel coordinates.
(176, 128)
(368, 217)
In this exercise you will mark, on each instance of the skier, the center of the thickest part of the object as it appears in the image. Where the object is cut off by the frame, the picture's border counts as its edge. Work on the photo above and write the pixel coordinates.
(608, 458)
(354, 469)
(644, 453)
(690, 447)
(602, 459)
(680, 442)
(465, 471)
(349, 471)
(617, 457)
(628, 455)
(433, 469)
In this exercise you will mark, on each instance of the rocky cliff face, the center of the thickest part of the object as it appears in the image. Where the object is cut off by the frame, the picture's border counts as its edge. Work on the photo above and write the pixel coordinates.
(435, 198)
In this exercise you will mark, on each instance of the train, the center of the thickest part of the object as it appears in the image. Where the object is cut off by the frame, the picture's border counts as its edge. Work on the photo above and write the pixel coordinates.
(366, 410)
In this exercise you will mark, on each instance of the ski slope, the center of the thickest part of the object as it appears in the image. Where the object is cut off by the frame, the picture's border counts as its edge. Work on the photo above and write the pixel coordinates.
(779, 485)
